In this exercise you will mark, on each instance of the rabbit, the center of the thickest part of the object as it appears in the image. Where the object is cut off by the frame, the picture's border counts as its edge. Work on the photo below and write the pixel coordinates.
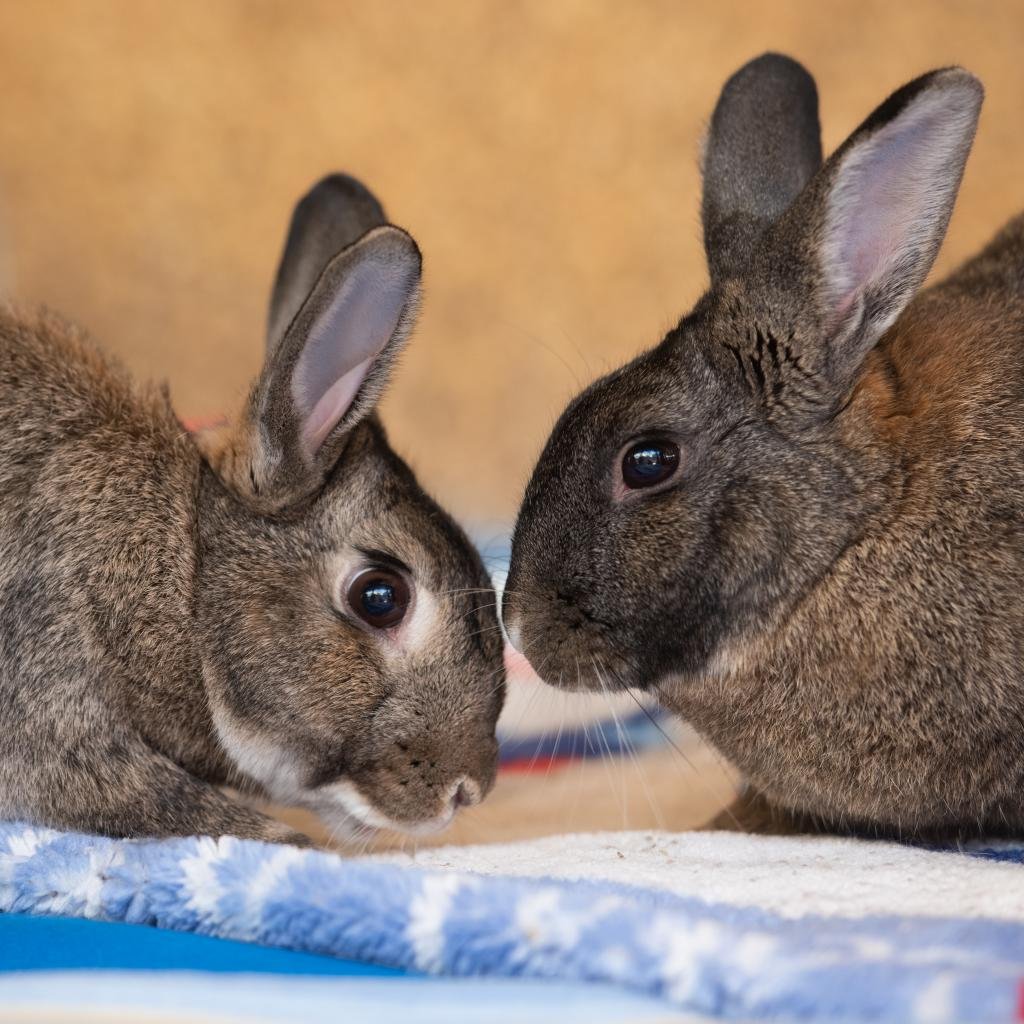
(272, 604)
(798, 521)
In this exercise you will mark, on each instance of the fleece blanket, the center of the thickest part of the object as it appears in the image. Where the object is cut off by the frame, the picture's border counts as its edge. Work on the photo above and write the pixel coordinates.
(725, 927)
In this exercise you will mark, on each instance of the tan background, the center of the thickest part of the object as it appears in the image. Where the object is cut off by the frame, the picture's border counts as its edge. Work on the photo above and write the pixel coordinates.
(543, 153)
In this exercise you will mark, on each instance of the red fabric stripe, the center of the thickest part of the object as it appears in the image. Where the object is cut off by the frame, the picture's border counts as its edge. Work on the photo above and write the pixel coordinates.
(528, 765)
(194, 423)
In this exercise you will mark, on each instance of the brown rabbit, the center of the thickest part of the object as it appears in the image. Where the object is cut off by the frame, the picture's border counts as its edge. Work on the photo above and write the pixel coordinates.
(276, 606)
(799, 519)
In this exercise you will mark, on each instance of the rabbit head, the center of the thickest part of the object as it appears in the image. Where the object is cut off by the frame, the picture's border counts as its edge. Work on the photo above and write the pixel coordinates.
(686, 501)
(351, 650)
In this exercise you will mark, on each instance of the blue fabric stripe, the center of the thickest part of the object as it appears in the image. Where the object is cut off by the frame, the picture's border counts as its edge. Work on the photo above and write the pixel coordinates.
(604, 738)
(1008, 853)
(29, 943)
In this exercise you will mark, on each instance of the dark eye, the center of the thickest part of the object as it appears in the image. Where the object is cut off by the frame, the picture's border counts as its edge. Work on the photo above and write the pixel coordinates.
(380, 597)
(649, 462)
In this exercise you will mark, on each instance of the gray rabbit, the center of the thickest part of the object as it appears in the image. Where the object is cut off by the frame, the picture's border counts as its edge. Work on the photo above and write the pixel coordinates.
(799, 520)
(274, 605)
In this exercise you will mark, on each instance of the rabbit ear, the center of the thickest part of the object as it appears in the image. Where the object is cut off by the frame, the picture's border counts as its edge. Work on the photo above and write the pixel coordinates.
(763, 146)
(872, 221)
(336, 212)
(324, 376)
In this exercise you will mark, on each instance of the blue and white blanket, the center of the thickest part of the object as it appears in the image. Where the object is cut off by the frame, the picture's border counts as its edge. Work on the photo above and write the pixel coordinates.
(720, 926)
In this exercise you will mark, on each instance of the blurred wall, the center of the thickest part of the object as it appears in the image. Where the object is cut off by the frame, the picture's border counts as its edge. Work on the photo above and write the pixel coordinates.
(543, 154)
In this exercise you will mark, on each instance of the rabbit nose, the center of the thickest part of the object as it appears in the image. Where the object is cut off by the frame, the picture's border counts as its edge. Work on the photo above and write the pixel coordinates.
(517, 663)
(466, 793)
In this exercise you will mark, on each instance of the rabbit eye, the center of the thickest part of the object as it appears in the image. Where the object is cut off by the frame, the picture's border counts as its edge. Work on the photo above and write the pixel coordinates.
(649, 462)
(380, 597)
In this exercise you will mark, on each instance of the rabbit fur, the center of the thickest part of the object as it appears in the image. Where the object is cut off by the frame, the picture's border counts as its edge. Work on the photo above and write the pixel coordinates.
(830, 586)
(173, 613)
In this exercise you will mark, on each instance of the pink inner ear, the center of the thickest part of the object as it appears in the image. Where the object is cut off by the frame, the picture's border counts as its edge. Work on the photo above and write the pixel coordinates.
(352, 329)
(891, 200)
(889, 196)
(332, 406)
